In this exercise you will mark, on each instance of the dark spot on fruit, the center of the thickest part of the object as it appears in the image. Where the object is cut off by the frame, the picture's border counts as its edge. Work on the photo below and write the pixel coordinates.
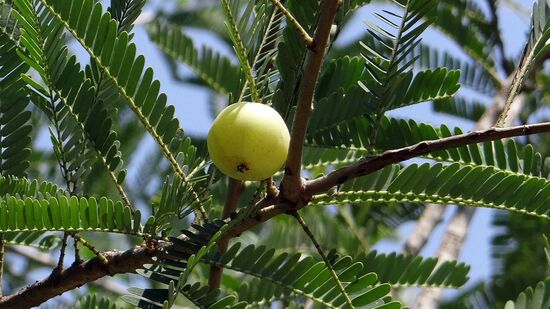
(242, 168)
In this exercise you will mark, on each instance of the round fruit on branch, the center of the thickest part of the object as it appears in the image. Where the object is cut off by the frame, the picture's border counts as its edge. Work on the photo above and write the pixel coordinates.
(248, 141)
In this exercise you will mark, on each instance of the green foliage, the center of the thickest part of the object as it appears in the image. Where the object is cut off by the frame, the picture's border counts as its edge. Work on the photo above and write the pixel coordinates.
(174, 269)
(83, 131)
(388, 71)
(460, 107)
(519, 258)
(446, 184)
(362, 278)
(15, 136)
(406, 270)
(134, 83)
(32, 239)
(98, 114)
(67, 214)
(291, 54)
(94, 302)
(213, 69)
(126, 12)
(473, 31)
(539, 297)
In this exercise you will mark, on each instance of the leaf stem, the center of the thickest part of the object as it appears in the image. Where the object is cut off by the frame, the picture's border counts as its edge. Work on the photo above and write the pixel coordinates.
(301, 31)
(306, 229)
(240, 49)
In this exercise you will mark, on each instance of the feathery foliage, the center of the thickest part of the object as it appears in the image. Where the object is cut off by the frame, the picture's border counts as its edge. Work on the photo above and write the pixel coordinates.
(539, 297)
(103, 109)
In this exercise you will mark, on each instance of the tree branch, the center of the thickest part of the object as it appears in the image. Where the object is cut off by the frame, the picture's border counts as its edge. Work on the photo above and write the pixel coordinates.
(77, 275)
(130, 260)
(292, 185)
(47, 260)
(368, 165)
(234, 193)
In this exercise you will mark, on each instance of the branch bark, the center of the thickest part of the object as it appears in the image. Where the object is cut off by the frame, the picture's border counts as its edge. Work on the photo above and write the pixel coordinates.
(47, 260)
(77, 275)
(1, 265)
(234, 192)
(292, 183)
(368, 165)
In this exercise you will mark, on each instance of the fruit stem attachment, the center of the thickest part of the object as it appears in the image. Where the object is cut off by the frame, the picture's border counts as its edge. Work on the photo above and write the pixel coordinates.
(291, 185)
(234, 192)
(270, 188)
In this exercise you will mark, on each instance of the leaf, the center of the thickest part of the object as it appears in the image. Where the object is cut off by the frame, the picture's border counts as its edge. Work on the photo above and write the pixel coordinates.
(532, 298)
(303, 275)
(478, 186)
(15, 136)
(215, 70)
(174, 268)
(135, 83)
(67, 214)
(536, 47)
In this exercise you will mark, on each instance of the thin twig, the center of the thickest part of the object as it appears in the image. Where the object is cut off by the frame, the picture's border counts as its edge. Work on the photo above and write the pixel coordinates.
(88, 245)
(292, 185)
(1, 263)
(234, 192)
(368, 165)
(77, 258)
(59, 266)
(301, 31)
(306, 229)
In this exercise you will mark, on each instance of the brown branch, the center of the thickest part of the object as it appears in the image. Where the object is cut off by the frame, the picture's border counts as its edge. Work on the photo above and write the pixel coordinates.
(234, 192)
(1, 264)
(292, 185)
(77, 275)
(368, 165)
(47, 260)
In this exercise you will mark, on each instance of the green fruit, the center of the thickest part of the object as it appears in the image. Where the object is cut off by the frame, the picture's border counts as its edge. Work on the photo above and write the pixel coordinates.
(248, 141)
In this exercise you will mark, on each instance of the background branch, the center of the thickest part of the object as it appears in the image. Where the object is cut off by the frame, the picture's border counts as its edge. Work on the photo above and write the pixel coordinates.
(458, 227)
